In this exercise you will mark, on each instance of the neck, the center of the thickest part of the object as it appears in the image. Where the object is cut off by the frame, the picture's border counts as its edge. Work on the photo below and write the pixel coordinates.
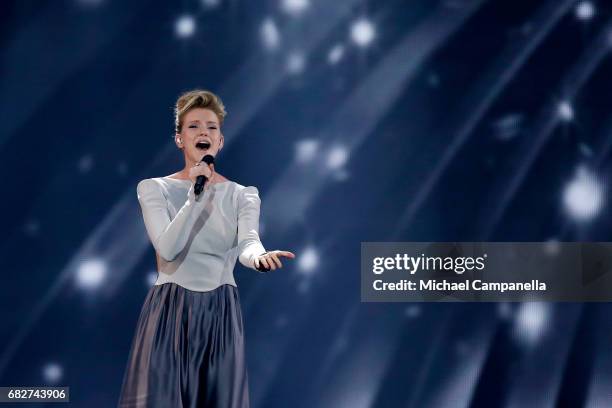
(188, 165)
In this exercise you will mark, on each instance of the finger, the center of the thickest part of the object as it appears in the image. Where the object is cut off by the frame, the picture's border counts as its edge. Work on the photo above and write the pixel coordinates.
(206, 172)
(275, 259)
(264, 262)
(271, 262)
(286, 254)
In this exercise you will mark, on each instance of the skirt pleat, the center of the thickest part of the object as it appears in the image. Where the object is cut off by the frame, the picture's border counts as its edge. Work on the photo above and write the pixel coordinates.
(187, 351)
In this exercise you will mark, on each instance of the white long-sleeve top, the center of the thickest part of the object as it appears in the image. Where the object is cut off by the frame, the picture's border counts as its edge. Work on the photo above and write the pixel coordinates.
(198, 238)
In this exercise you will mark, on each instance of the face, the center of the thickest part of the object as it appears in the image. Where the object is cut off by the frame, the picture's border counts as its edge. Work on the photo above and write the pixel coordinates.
(200, 135)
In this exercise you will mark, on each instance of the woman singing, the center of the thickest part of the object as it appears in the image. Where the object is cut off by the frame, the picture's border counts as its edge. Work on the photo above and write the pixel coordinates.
(188, 349)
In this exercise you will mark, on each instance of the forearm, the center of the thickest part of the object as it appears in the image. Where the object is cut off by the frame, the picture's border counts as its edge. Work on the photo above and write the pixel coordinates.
(249, 244)
(250, 250)
(168, 237)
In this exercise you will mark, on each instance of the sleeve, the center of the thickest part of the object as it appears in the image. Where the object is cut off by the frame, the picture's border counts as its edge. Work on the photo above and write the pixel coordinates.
(168, 237)
(249, 244)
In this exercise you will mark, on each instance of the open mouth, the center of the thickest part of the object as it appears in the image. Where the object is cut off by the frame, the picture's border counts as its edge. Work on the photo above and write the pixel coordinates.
(202, 145)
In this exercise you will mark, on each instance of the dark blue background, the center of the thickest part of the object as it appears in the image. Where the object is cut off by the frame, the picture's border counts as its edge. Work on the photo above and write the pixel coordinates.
(463, 120)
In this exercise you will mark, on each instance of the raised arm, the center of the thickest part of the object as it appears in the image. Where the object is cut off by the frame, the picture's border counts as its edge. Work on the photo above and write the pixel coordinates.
(168, 237)
(249, 244)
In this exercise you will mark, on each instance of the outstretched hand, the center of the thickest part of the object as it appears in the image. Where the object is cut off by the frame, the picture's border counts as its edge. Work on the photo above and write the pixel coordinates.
(271, 260)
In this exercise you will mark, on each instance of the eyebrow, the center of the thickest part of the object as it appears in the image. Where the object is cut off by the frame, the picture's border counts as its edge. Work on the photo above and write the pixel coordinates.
(197, 120)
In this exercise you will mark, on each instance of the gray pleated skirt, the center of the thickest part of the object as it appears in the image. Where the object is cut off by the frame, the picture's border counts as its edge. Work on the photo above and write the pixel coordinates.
(188, 351)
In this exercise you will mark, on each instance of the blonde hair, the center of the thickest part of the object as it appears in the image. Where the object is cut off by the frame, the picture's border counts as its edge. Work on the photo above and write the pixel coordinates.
(197, 98)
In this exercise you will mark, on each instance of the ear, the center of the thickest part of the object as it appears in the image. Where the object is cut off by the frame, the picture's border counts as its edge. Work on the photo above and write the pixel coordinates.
(221, 140)
(178, 140)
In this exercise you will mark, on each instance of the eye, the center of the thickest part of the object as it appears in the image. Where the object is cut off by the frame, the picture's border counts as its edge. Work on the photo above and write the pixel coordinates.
(193, 126)
(212, 127)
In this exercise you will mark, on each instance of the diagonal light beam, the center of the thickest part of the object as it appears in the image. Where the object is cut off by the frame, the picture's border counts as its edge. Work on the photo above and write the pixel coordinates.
(548, 120)
(484, 95)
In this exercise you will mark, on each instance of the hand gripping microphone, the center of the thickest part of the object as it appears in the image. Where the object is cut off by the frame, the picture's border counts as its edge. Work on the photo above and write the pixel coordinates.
(200, 180)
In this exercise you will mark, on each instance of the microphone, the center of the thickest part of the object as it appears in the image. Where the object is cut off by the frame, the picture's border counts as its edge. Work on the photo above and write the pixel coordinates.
(200, 180)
